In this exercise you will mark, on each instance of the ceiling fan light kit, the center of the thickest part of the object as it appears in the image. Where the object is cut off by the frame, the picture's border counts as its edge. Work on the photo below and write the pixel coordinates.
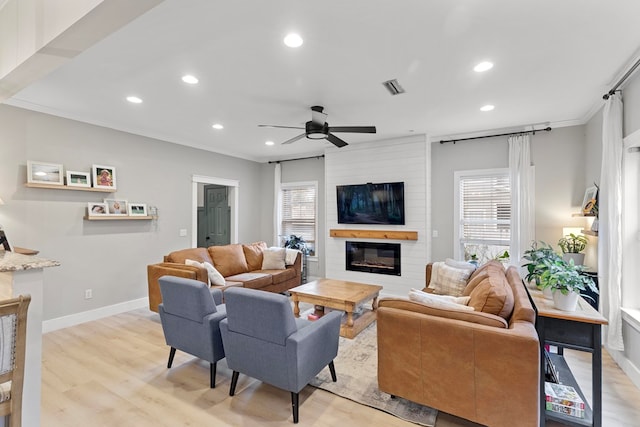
(318, 128)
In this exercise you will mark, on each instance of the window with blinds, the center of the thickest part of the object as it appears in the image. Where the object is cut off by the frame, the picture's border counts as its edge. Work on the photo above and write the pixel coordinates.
(299, 203)
(484, 212)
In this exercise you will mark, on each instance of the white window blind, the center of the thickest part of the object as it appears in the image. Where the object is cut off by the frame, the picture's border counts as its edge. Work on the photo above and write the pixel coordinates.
(299, 212)
(485, 208)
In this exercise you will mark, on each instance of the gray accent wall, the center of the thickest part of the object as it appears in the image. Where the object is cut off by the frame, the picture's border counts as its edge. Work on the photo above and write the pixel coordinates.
(109, 257)
(558, 157)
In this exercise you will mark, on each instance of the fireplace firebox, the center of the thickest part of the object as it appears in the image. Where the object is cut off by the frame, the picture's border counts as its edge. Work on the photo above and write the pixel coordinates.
(369, 257)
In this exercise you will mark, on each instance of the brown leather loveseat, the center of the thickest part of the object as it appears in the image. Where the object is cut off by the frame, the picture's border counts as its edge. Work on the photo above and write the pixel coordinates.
(239, 264)
(473, 364)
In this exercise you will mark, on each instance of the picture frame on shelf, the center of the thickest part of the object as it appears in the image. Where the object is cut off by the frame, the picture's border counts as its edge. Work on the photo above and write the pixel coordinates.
(4, 241)
(78, 179)
(104, 177)
(97, 209)
(137, 209)
(590, 201)
(44, 173)
(116, 207)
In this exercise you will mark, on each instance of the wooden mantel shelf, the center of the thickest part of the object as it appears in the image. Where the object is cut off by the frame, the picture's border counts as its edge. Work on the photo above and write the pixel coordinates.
(375, 234)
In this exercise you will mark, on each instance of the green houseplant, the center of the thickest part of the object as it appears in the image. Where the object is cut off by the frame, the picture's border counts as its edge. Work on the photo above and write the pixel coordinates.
(296, 242)
(566, 280)
(572, 245)
(535, 265)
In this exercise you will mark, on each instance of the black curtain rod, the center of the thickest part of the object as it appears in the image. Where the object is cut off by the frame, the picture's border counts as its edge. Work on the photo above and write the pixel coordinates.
(299, 158)
(547, 129)
(622, 80)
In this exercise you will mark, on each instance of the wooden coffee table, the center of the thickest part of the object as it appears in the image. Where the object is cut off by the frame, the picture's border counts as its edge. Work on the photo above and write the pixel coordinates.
(339, 295)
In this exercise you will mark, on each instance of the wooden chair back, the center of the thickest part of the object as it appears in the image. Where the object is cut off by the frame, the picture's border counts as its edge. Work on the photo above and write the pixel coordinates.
(13, 337)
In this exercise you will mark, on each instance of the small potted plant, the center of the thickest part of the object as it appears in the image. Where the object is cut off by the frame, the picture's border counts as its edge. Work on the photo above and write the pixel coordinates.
(296, 242)
(566, 281)
(539, 256)
(572, 245)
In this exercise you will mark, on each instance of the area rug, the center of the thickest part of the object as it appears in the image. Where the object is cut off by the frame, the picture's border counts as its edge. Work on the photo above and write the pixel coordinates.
(357, 373)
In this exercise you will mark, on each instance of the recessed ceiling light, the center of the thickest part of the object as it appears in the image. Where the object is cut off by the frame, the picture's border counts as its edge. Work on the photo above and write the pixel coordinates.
(293, 40)
(134, 99)
(269, 143)
(190, 79)
(217, 126)
(488, 107)
(483, 66)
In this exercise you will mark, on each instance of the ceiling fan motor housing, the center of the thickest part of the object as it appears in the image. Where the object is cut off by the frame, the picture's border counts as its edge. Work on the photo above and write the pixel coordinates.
(316, 131)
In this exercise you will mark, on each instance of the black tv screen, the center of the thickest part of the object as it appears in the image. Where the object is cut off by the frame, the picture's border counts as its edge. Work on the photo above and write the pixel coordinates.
(371, 203)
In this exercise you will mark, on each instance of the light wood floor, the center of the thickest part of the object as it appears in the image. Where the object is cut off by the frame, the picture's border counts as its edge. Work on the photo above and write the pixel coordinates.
(112, 372)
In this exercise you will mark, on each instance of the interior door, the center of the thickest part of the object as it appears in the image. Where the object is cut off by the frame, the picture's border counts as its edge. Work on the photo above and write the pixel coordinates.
(218, 215)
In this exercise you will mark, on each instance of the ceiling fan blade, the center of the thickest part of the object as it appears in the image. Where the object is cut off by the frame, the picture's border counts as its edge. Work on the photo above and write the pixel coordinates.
(354, 129)
(317, 116)
(280, 127)
(336, 141)
(295, 138)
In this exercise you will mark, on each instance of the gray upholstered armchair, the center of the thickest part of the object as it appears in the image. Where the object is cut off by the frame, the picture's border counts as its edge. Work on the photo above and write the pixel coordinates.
(191, 313)
(262, 339)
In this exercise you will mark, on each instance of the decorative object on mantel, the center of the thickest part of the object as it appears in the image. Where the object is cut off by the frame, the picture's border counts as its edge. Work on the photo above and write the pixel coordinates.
(374, 234)
(44, 173)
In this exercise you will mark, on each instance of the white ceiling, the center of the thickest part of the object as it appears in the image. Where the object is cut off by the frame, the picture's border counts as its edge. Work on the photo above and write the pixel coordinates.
(553, 61)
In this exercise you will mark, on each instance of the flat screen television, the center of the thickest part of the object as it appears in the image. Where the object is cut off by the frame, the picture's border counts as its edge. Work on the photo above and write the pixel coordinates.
(371, 203)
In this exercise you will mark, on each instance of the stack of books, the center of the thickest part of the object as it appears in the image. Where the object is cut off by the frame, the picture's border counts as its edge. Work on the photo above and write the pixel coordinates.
(563, 399)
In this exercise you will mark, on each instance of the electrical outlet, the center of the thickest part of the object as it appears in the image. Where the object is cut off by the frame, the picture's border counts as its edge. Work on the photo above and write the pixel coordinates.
(88, 294)
(434, 233)
(183, 232)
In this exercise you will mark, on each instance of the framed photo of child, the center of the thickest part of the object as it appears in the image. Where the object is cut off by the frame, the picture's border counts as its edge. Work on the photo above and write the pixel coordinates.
(104, 177)
(116, 207)
(97, 209)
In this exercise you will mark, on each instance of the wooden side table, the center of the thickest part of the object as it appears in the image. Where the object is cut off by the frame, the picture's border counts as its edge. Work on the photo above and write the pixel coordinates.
(578, 330)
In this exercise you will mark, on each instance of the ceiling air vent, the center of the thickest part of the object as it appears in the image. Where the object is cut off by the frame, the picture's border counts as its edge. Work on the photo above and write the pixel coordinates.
(393, 87)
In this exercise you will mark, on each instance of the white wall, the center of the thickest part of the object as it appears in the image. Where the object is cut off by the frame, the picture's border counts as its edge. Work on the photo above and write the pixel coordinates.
(110, 257)
(405, 160)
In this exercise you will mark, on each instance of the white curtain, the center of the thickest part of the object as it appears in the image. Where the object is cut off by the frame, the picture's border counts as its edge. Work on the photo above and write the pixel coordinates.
(610, 220)
(277, 205)
(522, 196)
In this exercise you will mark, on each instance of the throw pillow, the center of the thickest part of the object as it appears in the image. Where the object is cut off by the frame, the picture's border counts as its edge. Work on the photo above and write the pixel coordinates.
(493, 295)
(447, 280)
(290, 256)
(215, 278)
(459, 264)
(440, 301)
(273, 258)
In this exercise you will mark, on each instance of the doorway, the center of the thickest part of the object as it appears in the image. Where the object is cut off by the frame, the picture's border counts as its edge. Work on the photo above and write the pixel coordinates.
(215, 213)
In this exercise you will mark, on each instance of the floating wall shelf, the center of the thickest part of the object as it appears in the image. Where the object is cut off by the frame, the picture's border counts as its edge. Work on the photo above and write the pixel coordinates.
(117, 217)
(375, 234)
(66, 187)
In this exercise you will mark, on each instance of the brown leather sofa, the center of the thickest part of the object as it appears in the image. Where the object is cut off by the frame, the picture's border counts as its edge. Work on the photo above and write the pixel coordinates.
(472, 364)
(239, 264)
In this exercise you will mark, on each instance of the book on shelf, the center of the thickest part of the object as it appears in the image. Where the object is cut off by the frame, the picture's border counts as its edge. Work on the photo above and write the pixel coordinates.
(551, 373)
(562, 394)
(566, 410)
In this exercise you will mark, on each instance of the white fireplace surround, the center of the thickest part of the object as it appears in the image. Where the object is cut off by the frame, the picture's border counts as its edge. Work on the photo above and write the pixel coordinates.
(402, 159)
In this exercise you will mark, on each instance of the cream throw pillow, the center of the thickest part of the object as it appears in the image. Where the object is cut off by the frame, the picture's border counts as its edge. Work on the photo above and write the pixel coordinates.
(440, 301)
(273, 258)
(447, 280)
(215, 278)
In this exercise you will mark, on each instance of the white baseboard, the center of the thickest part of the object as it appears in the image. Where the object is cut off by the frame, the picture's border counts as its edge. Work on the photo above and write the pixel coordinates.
(98, 313)
(627, 366)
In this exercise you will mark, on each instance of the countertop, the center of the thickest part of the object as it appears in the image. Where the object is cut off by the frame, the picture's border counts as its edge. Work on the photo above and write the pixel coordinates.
(12, 261)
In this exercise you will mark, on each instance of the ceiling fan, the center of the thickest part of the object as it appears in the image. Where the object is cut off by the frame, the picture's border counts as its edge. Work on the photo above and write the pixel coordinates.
(318, 128)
